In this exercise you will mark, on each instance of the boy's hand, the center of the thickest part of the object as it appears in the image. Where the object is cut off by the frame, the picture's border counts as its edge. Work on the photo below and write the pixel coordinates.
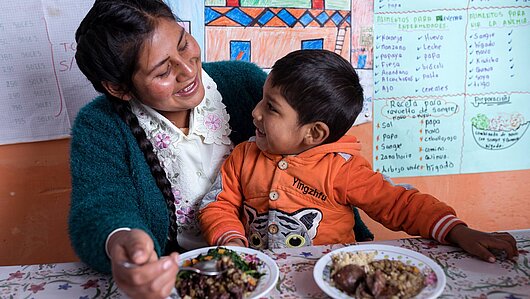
(483, 244)
(235, 242)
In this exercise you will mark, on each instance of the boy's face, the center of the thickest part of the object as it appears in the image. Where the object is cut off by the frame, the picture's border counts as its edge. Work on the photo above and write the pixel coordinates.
(277, 128)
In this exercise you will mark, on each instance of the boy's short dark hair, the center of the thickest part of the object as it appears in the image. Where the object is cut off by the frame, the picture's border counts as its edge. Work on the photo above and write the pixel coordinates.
(320, 85)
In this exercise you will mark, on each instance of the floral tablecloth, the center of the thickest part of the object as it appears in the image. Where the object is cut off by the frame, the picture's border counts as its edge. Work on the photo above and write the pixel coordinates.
(467, 277)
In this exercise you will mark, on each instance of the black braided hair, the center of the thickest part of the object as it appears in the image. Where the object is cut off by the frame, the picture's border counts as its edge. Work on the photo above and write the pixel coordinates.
(109, 40)
(123, 109)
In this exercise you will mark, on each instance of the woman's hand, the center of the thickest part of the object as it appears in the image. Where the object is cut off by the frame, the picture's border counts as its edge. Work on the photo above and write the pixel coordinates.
(149, 277)
(481, 244)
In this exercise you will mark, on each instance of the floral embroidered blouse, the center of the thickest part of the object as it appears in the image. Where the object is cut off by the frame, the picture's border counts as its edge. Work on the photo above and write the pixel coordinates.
(191, 161)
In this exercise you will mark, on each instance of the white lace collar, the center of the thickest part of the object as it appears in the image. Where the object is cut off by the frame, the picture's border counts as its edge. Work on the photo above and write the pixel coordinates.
(208, 120)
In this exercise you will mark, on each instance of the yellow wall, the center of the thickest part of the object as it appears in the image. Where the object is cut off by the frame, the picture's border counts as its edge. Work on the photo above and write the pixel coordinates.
(35, 189)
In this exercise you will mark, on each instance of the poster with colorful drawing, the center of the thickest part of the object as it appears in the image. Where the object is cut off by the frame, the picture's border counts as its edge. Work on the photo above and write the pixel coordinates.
(43, 89)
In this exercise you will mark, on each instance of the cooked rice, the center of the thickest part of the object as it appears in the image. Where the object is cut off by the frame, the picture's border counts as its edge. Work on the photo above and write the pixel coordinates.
(360, 258)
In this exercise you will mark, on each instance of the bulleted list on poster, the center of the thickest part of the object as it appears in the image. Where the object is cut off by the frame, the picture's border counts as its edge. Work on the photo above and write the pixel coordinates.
(450, 89)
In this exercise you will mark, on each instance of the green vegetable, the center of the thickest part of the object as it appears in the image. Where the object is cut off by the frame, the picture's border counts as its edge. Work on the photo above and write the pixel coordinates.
(249, 268)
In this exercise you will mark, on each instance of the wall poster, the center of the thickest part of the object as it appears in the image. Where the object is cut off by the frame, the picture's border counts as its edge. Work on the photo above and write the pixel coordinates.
(451, 91)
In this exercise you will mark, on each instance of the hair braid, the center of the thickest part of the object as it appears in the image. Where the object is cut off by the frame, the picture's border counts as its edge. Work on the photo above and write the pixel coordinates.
(123, 109)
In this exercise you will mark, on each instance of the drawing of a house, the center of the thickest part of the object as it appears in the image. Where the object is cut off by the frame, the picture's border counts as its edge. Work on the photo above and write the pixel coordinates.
(263, 31)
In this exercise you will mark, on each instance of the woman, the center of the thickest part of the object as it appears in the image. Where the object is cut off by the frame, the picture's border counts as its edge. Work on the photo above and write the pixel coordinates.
(145, 152)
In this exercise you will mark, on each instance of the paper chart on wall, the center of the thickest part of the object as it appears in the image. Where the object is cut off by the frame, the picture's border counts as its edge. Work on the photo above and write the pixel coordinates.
(367, 82)
(451, 92)
(38, 70)
(43, 88)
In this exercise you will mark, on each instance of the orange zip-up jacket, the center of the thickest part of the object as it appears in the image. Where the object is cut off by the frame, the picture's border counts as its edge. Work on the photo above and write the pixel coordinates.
(274, 201)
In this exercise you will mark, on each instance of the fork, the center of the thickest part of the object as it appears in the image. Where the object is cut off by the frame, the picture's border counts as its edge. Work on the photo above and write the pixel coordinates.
(208, 268)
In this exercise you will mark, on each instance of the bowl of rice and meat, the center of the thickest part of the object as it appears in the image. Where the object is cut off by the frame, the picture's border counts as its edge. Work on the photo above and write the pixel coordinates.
(378, 271)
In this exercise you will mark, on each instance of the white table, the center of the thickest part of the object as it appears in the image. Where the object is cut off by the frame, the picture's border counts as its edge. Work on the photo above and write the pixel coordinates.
(467, 277)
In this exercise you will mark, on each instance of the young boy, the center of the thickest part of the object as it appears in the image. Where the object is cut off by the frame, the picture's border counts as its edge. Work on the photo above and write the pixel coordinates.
(294, 184)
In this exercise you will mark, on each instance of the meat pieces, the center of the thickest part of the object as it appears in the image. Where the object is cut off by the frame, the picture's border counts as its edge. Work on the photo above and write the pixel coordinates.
(379, 279)
(349, 277)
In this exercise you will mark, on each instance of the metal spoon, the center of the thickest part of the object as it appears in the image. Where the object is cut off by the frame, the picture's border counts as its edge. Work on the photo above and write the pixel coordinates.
(208, 268)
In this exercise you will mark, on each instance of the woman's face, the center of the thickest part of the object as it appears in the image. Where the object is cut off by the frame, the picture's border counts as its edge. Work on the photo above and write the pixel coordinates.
(168, 76)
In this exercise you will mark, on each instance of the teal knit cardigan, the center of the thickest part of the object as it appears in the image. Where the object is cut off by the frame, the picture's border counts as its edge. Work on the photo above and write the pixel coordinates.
(112, 185)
